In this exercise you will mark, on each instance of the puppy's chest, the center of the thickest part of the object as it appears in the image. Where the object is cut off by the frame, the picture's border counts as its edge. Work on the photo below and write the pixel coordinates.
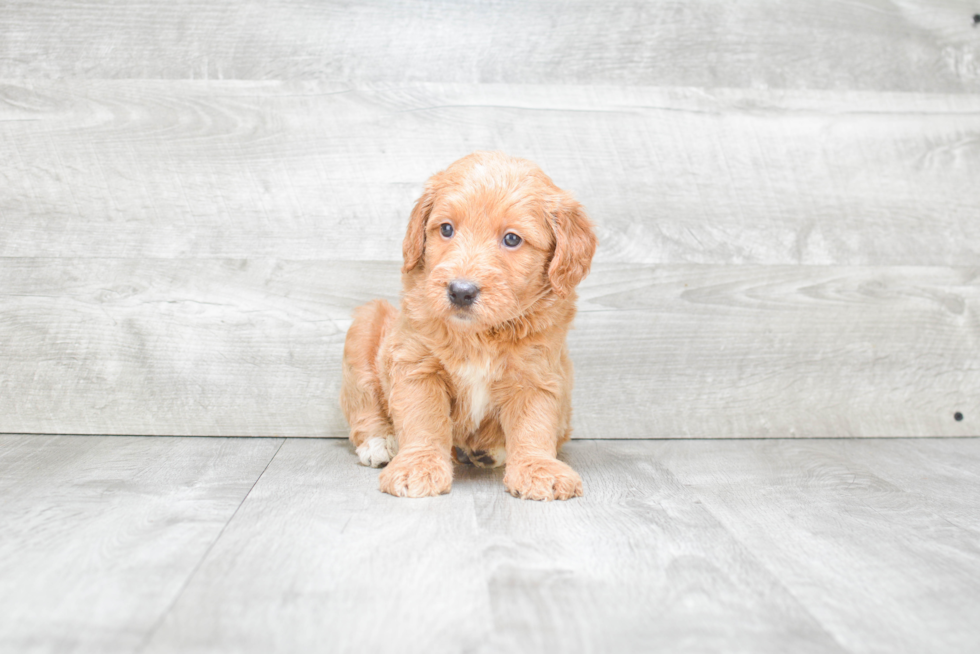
(474, 381)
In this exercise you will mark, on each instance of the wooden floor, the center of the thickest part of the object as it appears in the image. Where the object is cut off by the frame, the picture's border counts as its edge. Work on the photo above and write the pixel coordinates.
(153, 544)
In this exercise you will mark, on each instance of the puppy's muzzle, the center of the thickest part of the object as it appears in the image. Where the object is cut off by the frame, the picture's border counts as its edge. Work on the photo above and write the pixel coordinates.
(462, 293)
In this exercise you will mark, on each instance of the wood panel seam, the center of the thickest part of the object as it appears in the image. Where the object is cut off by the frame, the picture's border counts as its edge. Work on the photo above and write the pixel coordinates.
(183, 587)
(751, 553)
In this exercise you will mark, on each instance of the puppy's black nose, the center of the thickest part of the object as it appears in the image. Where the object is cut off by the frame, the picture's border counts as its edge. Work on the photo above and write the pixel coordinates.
(462, 293)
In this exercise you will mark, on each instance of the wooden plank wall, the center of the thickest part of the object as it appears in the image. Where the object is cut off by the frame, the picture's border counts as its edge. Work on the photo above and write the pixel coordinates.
(194, 195)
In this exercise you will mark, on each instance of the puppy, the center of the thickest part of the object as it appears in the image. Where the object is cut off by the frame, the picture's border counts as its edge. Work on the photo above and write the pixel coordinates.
(474, 368)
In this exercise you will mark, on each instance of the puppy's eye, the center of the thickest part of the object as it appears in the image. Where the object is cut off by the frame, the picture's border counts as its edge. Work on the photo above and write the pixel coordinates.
(512, 240)
(446, 230)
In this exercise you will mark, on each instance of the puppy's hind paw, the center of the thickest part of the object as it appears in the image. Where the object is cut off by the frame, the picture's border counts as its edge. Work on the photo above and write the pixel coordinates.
(374, 452)
(542, 479)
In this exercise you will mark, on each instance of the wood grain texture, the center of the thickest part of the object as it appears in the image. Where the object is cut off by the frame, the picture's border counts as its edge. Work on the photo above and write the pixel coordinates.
(874, 564)
(899, 45)
(318, 555)
(329, 171)
(330, 566)
(945, 478)
(771, 351)
(100, 534)
(194, 195)
(225, 347)
(831, 545)
(186, 347)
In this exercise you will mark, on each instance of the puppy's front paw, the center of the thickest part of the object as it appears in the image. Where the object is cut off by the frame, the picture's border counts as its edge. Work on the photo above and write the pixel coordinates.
(417, 474)
(542, 479)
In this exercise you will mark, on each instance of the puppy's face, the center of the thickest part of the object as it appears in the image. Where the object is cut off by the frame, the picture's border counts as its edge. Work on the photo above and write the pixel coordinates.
(492, 236)
(486, 253)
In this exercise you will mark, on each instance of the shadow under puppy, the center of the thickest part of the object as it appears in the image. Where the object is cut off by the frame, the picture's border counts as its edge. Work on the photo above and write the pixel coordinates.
(475, 365)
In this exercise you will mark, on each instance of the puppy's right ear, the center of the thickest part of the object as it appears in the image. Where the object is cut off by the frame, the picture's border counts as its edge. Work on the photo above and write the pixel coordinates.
(413, 247)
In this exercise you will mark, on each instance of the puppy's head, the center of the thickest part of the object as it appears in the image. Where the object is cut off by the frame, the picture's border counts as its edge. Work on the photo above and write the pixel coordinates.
(492, 236)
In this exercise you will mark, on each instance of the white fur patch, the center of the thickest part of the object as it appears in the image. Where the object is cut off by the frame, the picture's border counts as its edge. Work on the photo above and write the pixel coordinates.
(474, 381)
(376, 452)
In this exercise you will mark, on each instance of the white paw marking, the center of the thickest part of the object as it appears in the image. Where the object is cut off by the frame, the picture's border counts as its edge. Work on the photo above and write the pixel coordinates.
(374, 452)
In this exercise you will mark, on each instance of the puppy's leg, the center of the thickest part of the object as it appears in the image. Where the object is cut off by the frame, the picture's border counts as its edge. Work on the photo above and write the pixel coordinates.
(361, 398)
(420, 411)
(534, 429)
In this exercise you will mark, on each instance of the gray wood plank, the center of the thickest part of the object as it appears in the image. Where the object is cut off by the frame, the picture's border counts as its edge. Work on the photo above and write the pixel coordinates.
(100, 534)
(320, 557)
(878, 568)
(722, 351)
(186, 347)
(315, 170)
(911, 45)
(223, 347)
(945, 478)
(317, 555)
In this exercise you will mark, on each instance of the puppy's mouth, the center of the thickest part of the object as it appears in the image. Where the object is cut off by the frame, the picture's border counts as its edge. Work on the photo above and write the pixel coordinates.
(464, 316)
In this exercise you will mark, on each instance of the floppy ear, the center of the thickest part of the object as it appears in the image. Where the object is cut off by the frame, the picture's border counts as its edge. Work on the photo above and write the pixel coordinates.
(413, 247)
(575, 243)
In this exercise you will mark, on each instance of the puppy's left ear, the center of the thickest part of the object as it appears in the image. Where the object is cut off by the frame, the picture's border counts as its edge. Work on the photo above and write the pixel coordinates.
(413, 247)
(575, 244)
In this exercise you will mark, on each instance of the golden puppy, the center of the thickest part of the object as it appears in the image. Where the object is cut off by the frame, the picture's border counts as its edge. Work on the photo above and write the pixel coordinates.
(474, 367)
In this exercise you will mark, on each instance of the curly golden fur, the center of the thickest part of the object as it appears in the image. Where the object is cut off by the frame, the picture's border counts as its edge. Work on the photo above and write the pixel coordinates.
(475, 366)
